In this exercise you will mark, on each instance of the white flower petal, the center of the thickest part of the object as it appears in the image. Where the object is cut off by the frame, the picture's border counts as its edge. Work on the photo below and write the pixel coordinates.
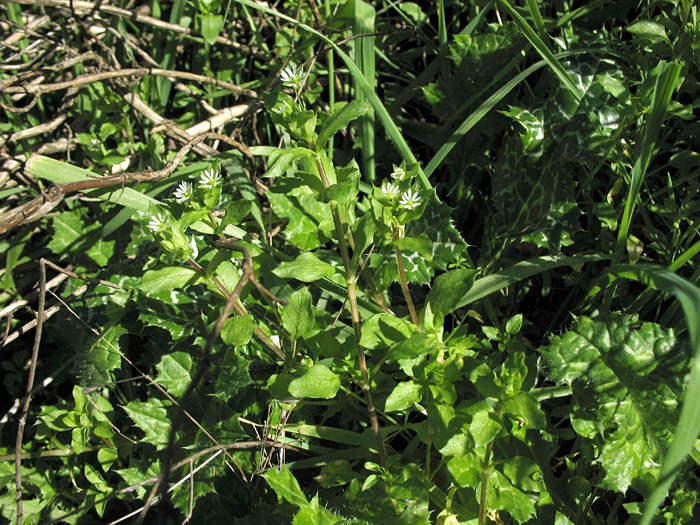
(410, 199)
(158, 223)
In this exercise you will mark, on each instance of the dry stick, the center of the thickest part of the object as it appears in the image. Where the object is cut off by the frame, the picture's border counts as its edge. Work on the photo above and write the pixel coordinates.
(37, 208)
(30, 387)
(355, 314)
(80, 5)
(84, 80)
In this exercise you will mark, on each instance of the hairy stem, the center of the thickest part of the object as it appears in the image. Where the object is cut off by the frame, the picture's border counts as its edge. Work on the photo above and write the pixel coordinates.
(404, 284)
(484, 483)
(355, 314)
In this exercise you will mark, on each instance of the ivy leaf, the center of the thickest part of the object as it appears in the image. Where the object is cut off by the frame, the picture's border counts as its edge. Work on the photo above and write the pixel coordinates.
(403, 396)
(151, 416)
(318, 381)
(174, 372)
(307, 267)
(298, 317)
(625, 393)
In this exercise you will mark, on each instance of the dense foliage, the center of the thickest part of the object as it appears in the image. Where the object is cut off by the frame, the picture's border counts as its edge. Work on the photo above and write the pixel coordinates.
(341, 261)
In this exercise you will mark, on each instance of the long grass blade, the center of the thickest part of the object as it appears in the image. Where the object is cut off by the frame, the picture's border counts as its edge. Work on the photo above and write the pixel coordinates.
(363, 23)
(543, 50)
(666, 79)
(522, 270)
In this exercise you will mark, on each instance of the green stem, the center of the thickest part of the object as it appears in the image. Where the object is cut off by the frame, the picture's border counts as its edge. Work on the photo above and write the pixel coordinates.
(484, 483)
(355, 315)
(404, 284)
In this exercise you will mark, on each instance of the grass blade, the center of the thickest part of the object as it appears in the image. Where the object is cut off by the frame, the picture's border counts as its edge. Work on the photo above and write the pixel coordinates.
(522, 270)
(363, 23)
(665, 83)
(543, 50)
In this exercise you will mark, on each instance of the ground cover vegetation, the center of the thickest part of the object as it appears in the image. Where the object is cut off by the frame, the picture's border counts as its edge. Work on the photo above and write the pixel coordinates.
(350, 262)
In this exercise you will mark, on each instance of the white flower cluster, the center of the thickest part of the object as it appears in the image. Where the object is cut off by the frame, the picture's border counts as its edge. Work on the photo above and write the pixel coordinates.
(410, 199)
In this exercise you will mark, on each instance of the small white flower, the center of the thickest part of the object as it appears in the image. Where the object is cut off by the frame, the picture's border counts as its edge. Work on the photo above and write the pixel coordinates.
(158, 223)
(410, 199)
(209, 179)
(94, 144)
(398, 174)
(291, 76)
(390, 190)
(184, 192)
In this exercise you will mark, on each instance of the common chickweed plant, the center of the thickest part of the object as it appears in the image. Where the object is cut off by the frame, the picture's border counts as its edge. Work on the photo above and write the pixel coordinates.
(297, 330)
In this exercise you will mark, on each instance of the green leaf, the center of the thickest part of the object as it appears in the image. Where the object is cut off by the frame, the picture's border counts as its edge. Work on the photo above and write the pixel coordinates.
(236, 212)
(238, 331)
(318, 381)
(174, 372)
(211, 27)
(340, 119)
(385, 330)
(525, 409)
(151, 416)
(466, 469)
(648, 30)
(403, 396)
(484, 428)
(524, 473)
(106, 457)
(502, 495)
(688, 427)
(626, 386)
(168, 278)
(449, 289)
(297, 316)
(415, 346)
(522, 270)
(286, 486)
(307, 267)
(315, 514)
(514, 324)
(63, 173)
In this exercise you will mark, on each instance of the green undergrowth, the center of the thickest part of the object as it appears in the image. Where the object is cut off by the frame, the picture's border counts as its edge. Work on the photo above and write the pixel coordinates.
(450, 277)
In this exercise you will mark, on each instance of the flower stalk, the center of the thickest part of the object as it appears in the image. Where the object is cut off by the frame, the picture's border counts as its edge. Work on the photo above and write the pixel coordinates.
(351, 279)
